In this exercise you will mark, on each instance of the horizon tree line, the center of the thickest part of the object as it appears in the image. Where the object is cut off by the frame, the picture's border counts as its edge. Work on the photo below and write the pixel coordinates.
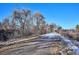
(23, 23)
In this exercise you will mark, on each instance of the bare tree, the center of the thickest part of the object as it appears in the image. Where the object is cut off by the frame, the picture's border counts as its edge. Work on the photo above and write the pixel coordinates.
(40, 23)
(5, 24)
(22, 20)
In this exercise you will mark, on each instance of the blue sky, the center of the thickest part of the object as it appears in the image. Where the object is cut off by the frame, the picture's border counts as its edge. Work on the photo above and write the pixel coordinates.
(65, 15)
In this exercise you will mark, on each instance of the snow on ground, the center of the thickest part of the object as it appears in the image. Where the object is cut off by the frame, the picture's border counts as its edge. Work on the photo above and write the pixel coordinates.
(48, 37)
(67, 41)
(51, 34)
